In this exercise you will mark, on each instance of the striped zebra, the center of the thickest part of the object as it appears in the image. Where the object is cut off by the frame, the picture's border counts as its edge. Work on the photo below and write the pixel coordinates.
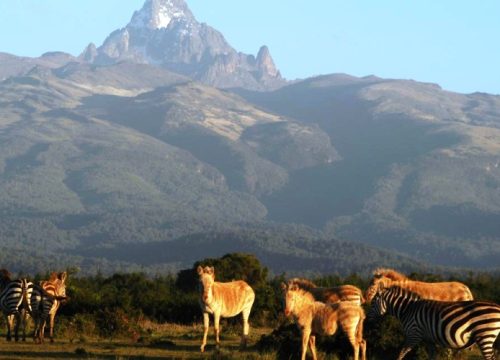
(455, 325)
(330, 295)
(45, 300)
(317, 318)
(14, 299)
(441, 291)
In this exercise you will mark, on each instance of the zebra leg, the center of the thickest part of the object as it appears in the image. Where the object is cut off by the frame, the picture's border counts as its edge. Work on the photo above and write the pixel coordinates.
(486, 345)
(24, 323)
(217, 328)
(355, 346)
(306, 333)
(405, 350)
(9, 320)
(413, 338)
(51, 328)
(246, 327)
(352, 331)
(36, 331)
(17, 318)
(312, 346)
(359, 338)
(363, 349)
(206, 323)
(41, 330)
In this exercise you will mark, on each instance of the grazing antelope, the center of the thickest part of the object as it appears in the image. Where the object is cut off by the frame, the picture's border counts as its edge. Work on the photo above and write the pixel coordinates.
(440, 291)
(45, 301)
(14, 299)
(332, 294)
(452, 324)
(223, 299)
(317, 318)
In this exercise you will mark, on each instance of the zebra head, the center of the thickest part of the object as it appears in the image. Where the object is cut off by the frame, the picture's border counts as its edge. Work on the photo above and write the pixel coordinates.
(56, 286)
(378, 299)
(206, 283)
(378, 282)
(378, 307)
(391, 300)
(290, 293)
(61, 286)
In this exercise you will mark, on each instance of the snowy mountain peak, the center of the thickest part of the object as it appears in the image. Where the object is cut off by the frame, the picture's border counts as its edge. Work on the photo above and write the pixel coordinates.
(165, 33)
(158, 14)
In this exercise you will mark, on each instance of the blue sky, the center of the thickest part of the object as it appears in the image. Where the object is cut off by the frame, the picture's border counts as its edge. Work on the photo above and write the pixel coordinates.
(452, 43)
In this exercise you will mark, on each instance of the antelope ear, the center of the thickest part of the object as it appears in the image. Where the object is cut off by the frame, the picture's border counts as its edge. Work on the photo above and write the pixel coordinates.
(199, 270)
(63, 276)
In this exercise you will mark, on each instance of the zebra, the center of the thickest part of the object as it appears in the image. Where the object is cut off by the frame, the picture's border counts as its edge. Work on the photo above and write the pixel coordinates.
(14, 301)
(455, 325)
(45, 299)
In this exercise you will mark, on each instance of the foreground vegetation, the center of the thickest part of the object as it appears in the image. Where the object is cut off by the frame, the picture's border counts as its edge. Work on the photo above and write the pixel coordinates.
(136, 316)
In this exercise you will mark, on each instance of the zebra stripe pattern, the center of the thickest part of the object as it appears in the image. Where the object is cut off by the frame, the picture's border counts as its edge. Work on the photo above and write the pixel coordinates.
(330, 294)
(13, 299)
(456, 325)
(45, 300)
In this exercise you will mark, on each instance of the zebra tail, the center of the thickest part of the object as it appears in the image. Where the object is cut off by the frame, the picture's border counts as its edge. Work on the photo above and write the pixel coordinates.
(26, 301)
(362, 299)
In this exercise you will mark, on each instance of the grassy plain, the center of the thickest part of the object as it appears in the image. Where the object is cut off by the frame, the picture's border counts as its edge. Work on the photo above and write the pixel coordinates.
(167, 341)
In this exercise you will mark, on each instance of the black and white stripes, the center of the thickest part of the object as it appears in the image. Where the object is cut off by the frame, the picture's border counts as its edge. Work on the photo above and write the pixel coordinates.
(455, 325)
(14, 298)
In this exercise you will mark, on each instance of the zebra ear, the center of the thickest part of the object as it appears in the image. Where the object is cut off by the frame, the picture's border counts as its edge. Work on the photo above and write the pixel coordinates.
(380, 287)
(53, 276)
(211, 270)
(199, 270)
(283, 286)
(62, 276)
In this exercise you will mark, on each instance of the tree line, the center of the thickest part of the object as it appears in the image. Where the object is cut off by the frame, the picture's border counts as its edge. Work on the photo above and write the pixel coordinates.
(109, 306)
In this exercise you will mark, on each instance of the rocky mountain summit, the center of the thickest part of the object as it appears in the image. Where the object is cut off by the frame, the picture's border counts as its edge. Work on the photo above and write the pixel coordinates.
(165, 33)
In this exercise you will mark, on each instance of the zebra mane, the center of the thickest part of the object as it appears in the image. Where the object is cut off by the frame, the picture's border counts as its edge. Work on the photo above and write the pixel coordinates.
(304, 284)
(389, 273)
(400, 291)
(304, 293)
(53, 276)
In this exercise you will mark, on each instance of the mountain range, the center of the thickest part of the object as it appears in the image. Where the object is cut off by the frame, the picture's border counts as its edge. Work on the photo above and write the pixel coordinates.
(164, 145)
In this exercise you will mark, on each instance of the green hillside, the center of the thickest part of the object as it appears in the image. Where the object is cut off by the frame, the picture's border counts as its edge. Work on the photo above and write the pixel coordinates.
(419, 171)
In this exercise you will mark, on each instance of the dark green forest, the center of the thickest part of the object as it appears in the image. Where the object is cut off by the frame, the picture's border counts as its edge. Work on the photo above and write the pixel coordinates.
(116, 305)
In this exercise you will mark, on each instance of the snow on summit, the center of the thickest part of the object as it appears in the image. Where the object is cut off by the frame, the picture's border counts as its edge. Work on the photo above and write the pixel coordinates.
(157, 14)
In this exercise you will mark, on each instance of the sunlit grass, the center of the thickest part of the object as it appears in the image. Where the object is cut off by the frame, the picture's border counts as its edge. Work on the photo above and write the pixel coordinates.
(162, 341)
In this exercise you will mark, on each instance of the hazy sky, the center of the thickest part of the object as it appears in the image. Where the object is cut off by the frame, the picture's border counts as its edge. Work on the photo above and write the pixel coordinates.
(454, 43)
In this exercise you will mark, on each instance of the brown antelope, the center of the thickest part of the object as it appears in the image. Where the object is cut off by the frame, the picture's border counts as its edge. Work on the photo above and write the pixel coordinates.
(317, 318)
(45, 301)
(332, 294)
(440, 291)
(223, 299)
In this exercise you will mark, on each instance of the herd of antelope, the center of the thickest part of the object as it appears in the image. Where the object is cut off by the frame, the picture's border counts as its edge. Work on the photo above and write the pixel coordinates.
(442, 313)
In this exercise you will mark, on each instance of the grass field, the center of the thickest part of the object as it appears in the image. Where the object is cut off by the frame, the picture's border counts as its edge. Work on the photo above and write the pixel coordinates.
(167, 341)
